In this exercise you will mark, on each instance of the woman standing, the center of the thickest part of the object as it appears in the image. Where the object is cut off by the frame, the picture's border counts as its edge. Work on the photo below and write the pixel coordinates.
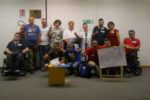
(113, 34)
(114, 39)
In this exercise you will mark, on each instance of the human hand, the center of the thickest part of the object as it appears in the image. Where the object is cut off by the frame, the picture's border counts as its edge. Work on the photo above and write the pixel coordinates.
(75, 33)
(45, 56)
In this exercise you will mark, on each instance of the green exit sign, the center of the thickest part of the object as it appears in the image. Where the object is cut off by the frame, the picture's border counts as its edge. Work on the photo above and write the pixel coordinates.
(88, 21)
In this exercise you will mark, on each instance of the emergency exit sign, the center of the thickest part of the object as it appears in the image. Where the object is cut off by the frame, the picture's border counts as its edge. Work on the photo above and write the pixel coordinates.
(88, 21)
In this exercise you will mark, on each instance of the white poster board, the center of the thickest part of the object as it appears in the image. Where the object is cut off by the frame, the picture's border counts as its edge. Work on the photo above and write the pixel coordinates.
(112, 57)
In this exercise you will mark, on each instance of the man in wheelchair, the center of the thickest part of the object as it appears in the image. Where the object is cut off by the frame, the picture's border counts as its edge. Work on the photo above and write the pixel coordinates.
(15, 52)
(132, 46)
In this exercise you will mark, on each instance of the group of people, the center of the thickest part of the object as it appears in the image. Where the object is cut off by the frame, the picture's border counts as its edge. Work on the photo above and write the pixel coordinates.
(69, 46)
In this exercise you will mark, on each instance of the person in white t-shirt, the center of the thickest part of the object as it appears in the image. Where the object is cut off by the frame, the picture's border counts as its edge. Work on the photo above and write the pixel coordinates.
(71, 34)
(44, 43)
(86, 37)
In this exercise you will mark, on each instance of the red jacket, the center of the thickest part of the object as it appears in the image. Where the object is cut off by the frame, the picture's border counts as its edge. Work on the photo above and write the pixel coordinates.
(92, 53)
(131, 43)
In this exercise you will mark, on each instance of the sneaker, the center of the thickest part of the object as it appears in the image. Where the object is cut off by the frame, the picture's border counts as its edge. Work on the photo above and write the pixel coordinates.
(17, 71)
(6, 71)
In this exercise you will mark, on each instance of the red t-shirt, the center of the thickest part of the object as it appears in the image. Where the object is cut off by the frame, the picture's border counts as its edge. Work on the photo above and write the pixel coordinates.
(112, 37)
(131, 43)
(92, 53)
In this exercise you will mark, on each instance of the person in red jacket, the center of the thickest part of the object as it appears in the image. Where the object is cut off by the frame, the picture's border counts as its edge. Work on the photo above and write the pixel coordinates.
(92, 56)
(132, 45)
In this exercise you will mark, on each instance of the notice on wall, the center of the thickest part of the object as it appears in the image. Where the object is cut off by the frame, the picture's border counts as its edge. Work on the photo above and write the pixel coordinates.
(35, 13)
(22, 13)
(111, 57)
(88, 21)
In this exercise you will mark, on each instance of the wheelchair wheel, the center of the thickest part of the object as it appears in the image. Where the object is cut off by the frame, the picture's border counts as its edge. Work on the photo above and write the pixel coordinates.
(23, 71)
(138, 71)
(3, 72)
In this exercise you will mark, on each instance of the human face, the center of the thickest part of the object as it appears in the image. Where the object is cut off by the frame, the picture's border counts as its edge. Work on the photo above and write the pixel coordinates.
(44, 23)
(85, 28)
(56, 46)
(71, 25)
(17, 37)
(31, 20)
(101, 23)
(132, 35)
(69, 46)
(94, 44)
(110, 26)
(56, 25)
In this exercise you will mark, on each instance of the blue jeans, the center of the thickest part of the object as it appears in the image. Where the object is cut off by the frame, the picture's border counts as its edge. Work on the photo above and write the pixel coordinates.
(71, 66)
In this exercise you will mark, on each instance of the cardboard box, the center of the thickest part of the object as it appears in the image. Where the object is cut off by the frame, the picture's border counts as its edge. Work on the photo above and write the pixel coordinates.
(56, 76)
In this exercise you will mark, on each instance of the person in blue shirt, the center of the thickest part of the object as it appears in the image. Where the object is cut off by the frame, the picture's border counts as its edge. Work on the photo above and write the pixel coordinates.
(72, 57)
(32, 39)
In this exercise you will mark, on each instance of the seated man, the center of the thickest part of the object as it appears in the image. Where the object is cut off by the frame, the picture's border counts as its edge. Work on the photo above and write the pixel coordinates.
(92, 56)
(55, 52)
(15, 51)
(132, 45)
(72, 58)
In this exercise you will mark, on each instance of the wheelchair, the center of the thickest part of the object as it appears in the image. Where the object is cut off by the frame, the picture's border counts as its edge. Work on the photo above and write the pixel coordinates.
(22, 69)
(133, 64)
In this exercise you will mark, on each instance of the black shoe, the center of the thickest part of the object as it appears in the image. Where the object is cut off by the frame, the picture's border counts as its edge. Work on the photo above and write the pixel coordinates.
(31, 72)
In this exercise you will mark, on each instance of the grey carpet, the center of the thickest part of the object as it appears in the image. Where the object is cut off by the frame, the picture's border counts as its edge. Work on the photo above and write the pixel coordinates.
(35, 87)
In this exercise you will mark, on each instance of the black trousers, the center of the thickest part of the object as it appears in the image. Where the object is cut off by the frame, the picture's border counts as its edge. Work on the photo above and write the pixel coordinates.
(132, 60)
(14, 61)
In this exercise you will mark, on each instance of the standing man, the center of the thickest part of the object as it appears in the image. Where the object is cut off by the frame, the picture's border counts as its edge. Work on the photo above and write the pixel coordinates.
(32, 39)
(86, 37)
(44, 43)
(99, 33)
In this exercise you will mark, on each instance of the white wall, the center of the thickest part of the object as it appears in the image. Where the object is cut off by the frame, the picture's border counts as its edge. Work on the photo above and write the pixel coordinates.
(127, 14)
(76, 10)
(9, 15)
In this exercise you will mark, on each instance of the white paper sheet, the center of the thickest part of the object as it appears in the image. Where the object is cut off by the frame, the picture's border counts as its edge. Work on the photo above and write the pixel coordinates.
(111, 57)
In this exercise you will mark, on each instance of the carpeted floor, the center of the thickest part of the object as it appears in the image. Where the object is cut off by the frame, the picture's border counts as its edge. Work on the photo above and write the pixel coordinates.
(35, 87)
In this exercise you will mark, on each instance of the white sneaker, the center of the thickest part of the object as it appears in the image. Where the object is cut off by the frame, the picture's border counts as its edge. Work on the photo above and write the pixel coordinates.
(17, 71)
(6, 71)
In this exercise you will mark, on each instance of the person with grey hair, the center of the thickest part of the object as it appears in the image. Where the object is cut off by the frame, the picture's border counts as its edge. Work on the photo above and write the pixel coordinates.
(44, 43)
(32, 35)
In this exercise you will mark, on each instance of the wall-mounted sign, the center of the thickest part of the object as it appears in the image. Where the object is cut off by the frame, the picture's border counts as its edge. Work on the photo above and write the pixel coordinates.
(35, 13)
(22, 13)
(88, 21)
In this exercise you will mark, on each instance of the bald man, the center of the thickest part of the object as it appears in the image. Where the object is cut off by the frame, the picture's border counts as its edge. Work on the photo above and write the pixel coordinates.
(32, 38)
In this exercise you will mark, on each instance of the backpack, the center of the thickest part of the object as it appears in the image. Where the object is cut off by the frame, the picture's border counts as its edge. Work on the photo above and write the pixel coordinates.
(84, 71)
